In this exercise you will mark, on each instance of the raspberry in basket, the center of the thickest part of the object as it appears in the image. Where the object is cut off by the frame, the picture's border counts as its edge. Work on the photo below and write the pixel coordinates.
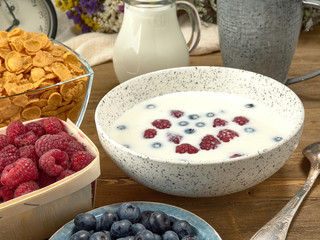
(54, 162)
(29, 152)
(14, 129)
(52, 125)
(25, 188)
(80, 159)
(4, 141)
(8, 155)
(28, 138)
(22, 170)
(6, 194)
(48, 142)
(65, 173)
(35, 127)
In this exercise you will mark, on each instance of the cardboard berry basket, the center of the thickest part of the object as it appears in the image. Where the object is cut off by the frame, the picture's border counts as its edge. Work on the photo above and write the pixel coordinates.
(39, 214)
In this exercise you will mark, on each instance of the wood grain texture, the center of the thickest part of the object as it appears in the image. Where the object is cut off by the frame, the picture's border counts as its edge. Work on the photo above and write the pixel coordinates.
(239, 215)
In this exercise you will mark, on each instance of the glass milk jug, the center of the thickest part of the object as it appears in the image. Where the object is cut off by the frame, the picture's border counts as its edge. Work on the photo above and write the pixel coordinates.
(150, 37)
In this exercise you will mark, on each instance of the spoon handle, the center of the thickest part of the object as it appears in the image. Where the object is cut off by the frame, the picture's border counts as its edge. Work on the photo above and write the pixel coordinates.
(277, 228)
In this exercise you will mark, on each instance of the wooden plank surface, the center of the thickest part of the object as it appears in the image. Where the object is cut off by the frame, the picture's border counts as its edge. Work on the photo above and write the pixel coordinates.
(239, 215)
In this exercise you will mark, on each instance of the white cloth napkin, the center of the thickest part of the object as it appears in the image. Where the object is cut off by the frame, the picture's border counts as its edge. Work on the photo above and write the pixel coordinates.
(97, 48)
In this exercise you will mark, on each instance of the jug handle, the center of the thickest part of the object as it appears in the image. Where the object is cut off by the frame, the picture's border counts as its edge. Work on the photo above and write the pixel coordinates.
(315, 4)
(195, 23)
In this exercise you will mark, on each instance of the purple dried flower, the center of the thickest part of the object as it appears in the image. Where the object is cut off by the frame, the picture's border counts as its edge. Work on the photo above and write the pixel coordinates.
(85, 28)
(90, 6)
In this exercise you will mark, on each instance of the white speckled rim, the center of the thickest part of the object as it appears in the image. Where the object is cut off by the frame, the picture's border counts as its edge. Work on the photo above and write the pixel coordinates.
(202, 78)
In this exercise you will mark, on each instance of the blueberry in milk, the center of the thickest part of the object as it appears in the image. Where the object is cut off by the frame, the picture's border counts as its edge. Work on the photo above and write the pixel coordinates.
(210, 114)
(183, 124)
(200, 124)
(121, 127)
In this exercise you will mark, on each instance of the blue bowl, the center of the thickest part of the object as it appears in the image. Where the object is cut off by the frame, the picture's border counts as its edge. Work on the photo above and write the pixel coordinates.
(204, 230)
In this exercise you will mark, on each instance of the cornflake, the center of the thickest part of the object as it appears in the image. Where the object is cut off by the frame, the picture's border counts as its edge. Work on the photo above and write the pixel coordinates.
(31, 61)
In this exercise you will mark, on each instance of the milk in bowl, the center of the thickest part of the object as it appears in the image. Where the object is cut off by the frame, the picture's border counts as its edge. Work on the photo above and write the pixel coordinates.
(194, 125)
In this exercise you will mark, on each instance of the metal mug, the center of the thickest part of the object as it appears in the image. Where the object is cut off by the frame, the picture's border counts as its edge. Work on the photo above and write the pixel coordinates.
(262, 35)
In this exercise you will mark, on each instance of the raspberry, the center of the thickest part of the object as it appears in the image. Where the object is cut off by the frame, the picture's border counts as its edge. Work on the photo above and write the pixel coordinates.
(25, 188)
(4, 141)
(186, 148)
(6, 194)
(209, 142)
(150, 133)
(176, 113)
(236, 155)
(217, 122)
(52, 125)
(14, 129)
(66, 135)
(36, 128)
(29, 152)
(161, 123)
(45, 180)
(175, 138)
(28, 138)
(74, 146)
(64, 174)
(54, 162)
(22, 170)
(48, 142)
(240, 120)
(80, 160)
(226, 135)
(8, 155)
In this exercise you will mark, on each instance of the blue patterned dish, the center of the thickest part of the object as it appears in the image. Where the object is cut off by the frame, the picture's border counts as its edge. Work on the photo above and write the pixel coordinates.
(205, 231)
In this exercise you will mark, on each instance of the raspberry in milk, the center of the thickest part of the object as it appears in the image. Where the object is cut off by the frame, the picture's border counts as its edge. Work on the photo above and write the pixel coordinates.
(199, 125)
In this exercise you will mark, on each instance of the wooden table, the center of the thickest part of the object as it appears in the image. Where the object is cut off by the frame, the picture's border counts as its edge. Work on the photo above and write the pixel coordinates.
(239, 215)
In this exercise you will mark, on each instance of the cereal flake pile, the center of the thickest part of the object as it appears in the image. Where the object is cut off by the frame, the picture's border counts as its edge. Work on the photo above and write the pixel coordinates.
(30, 61)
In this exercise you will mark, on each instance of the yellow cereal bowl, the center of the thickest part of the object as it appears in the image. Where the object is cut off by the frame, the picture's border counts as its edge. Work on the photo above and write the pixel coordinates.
(42, 80)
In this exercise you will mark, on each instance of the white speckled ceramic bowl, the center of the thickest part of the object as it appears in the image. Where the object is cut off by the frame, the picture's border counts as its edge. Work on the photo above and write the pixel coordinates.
(203, 178)
(203, 229)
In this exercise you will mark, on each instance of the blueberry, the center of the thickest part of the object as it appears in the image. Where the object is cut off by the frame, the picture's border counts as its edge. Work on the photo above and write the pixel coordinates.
(182, 228)
(277, 139)
(80, 235)
(144, 235)
(193, 116)
(183, 123)
(191, 237)
(121, 228)
(170, 235)
(189, 131)
(121, 127)
(156, 145)
(151, 106)
(126, 238)
(101, 235)
(249, 130)
(172, 220)
(106, 220)
(129, 211)
(126, 145)
(85, 221)
(136, 227)
(200, 124)
(210, 114)
(249, 105)
(159, 222)
(144, 219)
(157, 237)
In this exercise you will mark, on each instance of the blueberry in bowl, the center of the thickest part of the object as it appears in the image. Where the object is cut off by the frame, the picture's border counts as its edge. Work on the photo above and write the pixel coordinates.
(137, 220)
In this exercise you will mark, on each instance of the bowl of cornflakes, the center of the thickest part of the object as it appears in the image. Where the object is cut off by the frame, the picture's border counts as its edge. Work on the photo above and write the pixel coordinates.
(40, 77)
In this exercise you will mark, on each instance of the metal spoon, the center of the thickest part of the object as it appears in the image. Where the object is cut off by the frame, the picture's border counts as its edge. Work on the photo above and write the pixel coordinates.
(277, 228)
